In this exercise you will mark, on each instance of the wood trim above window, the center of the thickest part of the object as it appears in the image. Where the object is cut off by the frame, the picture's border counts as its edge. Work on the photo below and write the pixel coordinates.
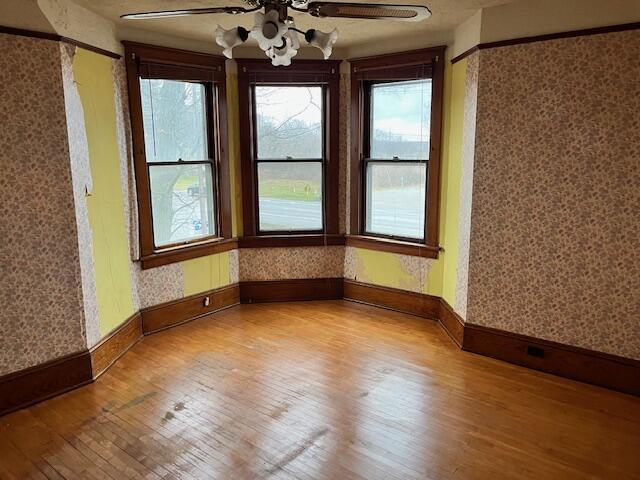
(425, 63)
(254, 71)
(143, 61)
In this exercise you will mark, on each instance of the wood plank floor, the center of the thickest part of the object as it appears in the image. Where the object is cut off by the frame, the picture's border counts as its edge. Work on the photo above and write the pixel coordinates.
(321, 390)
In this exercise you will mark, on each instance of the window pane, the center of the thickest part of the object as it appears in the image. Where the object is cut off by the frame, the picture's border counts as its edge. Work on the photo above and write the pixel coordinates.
(290, 195)
(289, 122)
(174, 120)
(182, 202)
(396, 199)
(401, 120)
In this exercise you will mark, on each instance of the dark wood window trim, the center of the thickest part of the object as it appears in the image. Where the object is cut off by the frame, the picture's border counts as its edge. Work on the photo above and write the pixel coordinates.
(397, 66)
(324, 72)
(181, 65)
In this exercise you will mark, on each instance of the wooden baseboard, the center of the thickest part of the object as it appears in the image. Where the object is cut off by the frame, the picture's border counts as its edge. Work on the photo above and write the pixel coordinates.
(393, 299)
(589, 366)
(451, 322)
(32, 385)
(115, 344)
(177, 312)
(291, 290)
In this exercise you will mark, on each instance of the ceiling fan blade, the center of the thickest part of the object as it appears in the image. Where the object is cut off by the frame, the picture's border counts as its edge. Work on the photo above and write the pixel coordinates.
(403, 13)
(183, 13)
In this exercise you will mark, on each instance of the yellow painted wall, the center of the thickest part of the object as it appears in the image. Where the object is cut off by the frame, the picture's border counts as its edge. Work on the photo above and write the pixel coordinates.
(206, 273)
(455, 76)
(233, 129)
(94, 78)
(383, 268)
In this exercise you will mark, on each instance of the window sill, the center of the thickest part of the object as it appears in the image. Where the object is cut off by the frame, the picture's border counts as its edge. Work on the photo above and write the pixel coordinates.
(306, 240)
(392, 246)
(186, 252)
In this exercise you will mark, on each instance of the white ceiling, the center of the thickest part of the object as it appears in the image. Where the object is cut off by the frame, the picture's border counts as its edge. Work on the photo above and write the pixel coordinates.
(447, 14)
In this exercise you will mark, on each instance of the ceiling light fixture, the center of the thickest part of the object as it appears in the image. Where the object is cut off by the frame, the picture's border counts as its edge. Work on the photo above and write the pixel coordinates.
(276, 32)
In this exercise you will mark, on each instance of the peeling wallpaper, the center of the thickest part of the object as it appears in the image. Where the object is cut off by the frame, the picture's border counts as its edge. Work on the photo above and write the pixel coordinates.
(555, 226)
(82, 182)
(466, 184)
(40, 282)
(125, 147)
(451, 168)
(94, 80)
(178, 280)
(127, 174)
(433, 277)
(387, 269)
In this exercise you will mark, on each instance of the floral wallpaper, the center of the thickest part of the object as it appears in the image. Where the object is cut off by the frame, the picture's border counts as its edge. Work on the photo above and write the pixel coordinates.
(234, 266)
(343, 185)
(555, 225)
(291, 263)
(127, 175)
(466, 184)
(125, 146)
(160, 284)
(40, 279)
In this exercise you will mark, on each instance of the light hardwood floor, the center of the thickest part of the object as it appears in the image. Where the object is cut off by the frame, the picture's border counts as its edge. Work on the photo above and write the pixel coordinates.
(321, 390)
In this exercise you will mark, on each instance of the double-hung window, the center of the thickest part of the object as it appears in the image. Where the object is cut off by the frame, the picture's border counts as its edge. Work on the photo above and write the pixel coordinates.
(177, 101)
(289, 157)
(396, 116)
(289, 149)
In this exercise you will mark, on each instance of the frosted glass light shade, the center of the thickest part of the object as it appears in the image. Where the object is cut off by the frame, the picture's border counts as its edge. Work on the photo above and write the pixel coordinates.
(230, 38)
(268, 30)
(321, 40)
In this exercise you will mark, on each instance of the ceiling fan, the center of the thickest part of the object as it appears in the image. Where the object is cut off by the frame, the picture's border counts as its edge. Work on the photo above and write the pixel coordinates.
(275, 30)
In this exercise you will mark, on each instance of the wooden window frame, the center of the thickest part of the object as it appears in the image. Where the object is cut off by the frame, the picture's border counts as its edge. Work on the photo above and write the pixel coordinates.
(181, 65)
(327, 73)
(395, 67)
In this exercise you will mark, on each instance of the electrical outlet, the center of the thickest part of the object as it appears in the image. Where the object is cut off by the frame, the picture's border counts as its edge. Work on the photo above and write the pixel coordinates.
(206, 301)
(534, 351)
